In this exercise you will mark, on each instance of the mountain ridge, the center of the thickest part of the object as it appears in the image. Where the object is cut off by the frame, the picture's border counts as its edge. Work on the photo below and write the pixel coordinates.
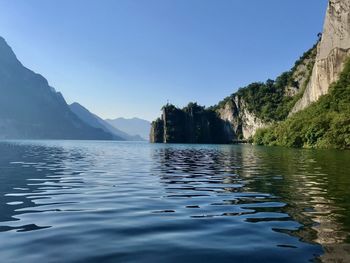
(31, 109)
(97, 122)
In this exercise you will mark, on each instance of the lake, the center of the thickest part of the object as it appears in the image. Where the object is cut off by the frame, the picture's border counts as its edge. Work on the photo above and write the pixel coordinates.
(89, 201)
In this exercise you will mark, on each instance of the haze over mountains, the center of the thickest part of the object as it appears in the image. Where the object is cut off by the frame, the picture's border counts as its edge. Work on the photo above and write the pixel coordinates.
(31, 109)
(96, 122)
(134, 126)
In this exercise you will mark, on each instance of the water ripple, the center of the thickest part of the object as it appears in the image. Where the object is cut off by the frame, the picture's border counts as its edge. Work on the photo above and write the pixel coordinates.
(135, 202)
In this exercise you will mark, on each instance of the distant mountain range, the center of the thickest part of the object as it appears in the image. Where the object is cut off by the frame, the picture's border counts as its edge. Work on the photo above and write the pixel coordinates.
(31, 109)
(96, 122)
(134, 126)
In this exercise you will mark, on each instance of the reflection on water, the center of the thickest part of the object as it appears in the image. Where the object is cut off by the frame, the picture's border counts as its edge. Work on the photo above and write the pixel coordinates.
(136, 202)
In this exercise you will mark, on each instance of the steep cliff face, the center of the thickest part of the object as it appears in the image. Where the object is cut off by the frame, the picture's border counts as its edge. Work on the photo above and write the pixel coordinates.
(239, 122)
(263, 104)
(238, 116)
(332, 52)
(260, 104)
(192, 124)
(324, 124)
(250, 124)
(157, 131)
(196, 124)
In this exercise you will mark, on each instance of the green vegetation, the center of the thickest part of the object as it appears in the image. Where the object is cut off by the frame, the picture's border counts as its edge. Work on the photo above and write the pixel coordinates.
(269, 101)
(157, 132)
(192, 124)
(324, 124)
(310, 54)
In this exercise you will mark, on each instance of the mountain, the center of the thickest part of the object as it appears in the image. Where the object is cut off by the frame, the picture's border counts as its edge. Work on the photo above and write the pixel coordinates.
(96, 122)
(321, 116)
(31, 109)
(323, 124)
(238, 116)
(134, 126)
(307, 106)
(332, 53)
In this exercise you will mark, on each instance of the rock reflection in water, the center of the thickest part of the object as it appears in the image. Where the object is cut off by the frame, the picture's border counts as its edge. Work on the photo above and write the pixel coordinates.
(303, 184)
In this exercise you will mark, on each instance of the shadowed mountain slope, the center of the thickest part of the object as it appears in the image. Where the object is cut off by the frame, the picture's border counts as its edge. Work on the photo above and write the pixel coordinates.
(31, 109)
(95, 121)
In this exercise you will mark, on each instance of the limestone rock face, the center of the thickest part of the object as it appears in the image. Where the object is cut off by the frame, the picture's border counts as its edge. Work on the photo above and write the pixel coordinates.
(301, 74)
(240, 123)
(229, 114)
(240, 115)
(250, 124)
(332, 52)
(336, 32)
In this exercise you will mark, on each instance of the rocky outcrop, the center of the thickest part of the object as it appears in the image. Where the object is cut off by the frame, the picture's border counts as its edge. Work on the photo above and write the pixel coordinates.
(332, 52)
(244, 112)
(301, 73)
(240, 123)
(250, 123)
(192, 124)
(260, 104)
(230, 115)
(239, 116)
(195, 124)
(157, 131)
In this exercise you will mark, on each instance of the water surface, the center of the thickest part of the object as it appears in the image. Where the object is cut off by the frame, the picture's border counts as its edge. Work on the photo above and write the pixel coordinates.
(75, 201)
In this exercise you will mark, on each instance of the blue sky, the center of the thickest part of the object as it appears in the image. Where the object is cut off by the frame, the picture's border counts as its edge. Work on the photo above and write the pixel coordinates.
(126, 58)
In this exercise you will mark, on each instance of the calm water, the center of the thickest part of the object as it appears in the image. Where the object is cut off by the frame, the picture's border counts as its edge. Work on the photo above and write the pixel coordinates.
(136, 202)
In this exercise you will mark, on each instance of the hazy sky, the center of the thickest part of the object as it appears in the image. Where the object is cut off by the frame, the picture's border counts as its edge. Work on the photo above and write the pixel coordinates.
(128, 57)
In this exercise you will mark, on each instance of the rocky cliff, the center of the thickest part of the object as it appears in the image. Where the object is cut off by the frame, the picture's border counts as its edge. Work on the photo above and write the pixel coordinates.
(239, 122)
(192, 124)
(332, 52)
(263, 104)
(237, 117)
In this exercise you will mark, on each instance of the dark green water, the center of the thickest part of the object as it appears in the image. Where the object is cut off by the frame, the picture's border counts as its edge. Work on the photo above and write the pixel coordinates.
(65, 201)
